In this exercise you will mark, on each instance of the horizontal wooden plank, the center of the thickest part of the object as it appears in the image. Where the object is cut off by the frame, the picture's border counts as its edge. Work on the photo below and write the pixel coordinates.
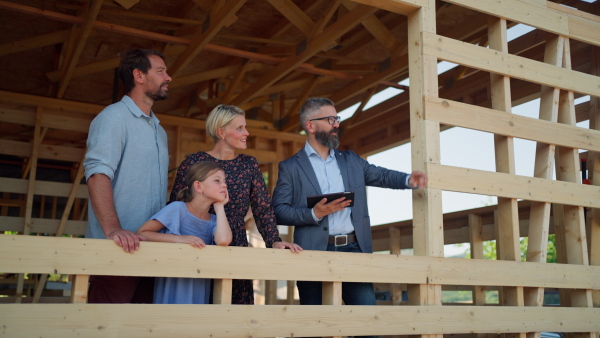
(512, 186)
(521, 11)
(584, 29)
(93, 109)
(42, 225)
(510, 65)
(139, 320)
(397, 6)
(45, 188)
(30, 254)
(459, 114)
(46, 151)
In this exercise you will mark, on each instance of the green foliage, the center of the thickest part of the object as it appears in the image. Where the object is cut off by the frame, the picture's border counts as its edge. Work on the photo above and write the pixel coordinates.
(491, 297)
(489, 249)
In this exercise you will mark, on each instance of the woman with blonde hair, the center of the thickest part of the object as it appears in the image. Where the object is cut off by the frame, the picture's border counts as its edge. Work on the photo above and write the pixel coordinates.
(227, 126)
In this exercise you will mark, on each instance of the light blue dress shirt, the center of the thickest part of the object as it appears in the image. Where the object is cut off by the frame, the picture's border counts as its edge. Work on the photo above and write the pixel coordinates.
(330, 180)
(130, 148)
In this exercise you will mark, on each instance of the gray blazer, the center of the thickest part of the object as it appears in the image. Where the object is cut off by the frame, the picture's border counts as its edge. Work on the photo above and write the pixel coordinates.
(297, 180)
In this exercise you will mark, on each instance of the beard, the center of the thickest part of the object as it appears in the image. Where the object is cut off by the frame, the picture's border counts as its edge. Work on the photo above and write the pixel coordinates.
(328, 139)
(159, 94)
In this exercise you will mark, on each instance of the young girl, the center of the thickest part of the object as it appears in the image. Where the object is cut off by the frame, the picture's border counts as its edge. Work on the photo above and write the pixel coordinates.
(187, 220)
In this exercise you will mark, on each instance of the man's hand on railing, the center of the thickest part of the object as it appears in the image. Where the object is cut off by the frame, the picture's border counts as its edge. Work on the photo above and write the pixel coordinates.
(287, 245)
(126, 239)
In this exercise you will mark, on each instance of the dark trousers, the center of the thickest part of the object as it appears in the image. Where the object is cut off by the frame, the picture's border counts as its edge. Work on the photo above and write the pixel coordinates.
(311, 293)
(121, 289)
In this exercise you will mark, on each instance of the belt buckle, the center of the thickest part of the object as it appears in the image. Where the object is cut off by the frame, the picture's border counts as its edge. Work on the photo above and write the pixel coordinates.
(341, 236)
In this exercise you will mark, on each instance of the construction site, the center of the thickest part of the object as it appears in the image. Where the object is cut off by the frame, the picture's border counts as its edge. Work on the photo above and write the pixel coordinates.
(267, 57)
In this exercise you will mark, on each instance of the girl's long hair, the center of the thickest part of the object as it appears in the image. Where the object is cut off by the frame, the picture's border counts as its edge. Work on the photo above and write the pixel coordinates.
(197, 172)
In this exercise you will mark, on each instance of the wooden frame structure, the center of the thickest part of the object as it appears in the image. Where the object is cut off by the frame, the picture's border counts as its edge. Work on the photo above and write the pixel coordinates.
(521, 311)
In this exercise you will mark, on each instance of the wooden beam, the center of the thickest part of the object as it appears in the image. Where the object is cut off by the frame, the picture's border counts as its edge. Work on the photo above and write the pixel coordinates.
(332, 32)
(72, 58)
(34, 42)
(295, 15)
(510, 65)
(379, 31)
(521, 11)
(400, 7)
(197, 44)
(34, 254)
(481, 182)
(265, 321)
(539, 224)
(42, 225)
(468, 116)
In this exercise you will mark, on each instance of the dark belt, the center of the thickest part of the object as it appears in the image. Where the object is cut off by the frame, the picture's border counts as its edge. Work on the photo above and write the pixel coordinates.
(341, 240)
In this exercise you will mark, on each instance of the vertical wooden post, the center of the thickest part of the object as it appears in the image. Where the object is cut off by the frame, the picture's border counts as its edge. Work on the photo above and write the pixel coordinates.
(594, 161)
(567, 160)
(270, 292)
(476, 243)
(79, 289)
(507, 242)
(395, 249)
(332, 295)
(539, 219)
(222, 291)
(37, 141)
(428, 230)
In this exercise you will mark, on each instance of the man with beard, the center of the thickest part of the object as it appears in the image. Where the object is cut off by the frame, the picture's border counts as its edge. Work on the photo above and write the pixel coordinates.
(319, 168)
(126, 168)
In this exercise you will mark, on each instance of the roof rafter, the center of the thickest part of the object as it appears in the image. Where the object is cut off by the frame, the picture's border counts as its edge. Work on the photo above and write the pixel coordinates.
(340, 27)
(221, 16)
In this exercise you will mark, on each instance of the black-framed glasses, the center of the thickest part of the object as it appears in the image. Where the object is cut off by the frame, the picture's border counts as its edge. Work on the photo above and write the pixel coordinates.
(331, 119)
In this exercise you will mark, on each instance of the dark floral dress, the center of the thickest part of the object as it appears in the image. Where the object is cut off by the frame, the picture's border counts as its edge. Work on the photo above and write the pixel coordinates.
(246, 188)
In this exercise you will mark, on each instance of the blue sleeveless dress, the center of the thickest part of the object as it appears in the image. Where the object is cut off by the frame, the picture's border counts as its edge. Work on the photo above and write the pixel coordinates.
(179, 221)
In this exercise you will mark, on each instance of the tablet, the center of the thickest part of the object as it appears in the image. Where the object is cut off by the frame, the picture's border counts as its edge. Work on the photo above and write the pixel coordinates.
(312, 200)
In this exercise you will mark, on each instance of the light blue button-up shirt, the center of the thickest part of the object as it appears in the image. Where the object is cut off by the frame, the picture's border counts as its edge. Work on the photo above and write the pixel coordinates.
(130, 148)
(330, 181)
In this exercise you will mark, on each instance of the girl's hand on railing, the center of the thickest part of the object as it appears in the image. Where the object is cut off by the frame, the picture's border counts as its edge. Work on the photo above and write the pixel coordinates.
(194, 241)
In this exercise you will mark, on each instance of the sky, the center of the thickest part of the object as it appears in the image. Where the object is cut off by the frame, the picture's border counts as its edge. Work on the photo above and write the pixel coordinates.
(458, 147)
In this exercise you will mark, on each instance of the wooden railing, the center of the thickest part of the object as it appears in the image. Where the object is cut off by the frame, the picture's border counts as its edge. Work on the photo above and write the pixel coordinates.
(85, 257)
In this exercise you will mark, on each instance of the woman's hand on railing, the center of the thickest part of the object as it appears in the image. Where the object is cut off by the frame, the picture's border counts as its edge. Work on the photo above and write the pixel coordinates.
(287, 245)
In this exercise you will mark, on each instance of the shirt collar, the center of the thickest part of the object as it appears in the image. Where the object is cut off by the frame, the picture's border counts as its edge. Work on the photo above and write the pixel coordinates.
(310, 151)
(135, 110)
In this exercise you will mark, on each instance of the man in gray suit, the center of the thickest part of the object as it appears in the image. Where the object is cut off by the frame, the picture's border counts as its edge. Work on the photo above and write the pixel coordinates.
(318, 169)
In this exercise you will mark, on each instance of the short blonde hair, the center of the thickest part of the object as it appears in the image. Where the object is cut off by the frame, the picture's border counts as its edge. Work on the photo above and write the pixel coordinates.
(219, 117)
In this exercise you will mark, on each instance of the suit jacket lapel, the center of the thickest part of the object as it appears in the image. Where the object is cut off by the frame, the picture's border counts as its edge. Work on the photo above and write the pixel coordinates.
(341, 160)
(308, 169)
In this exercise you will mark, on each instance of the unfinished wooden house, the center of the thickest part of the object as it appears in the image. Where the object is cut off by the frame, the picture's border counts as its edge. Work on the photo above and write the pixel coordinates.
(267, 57)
